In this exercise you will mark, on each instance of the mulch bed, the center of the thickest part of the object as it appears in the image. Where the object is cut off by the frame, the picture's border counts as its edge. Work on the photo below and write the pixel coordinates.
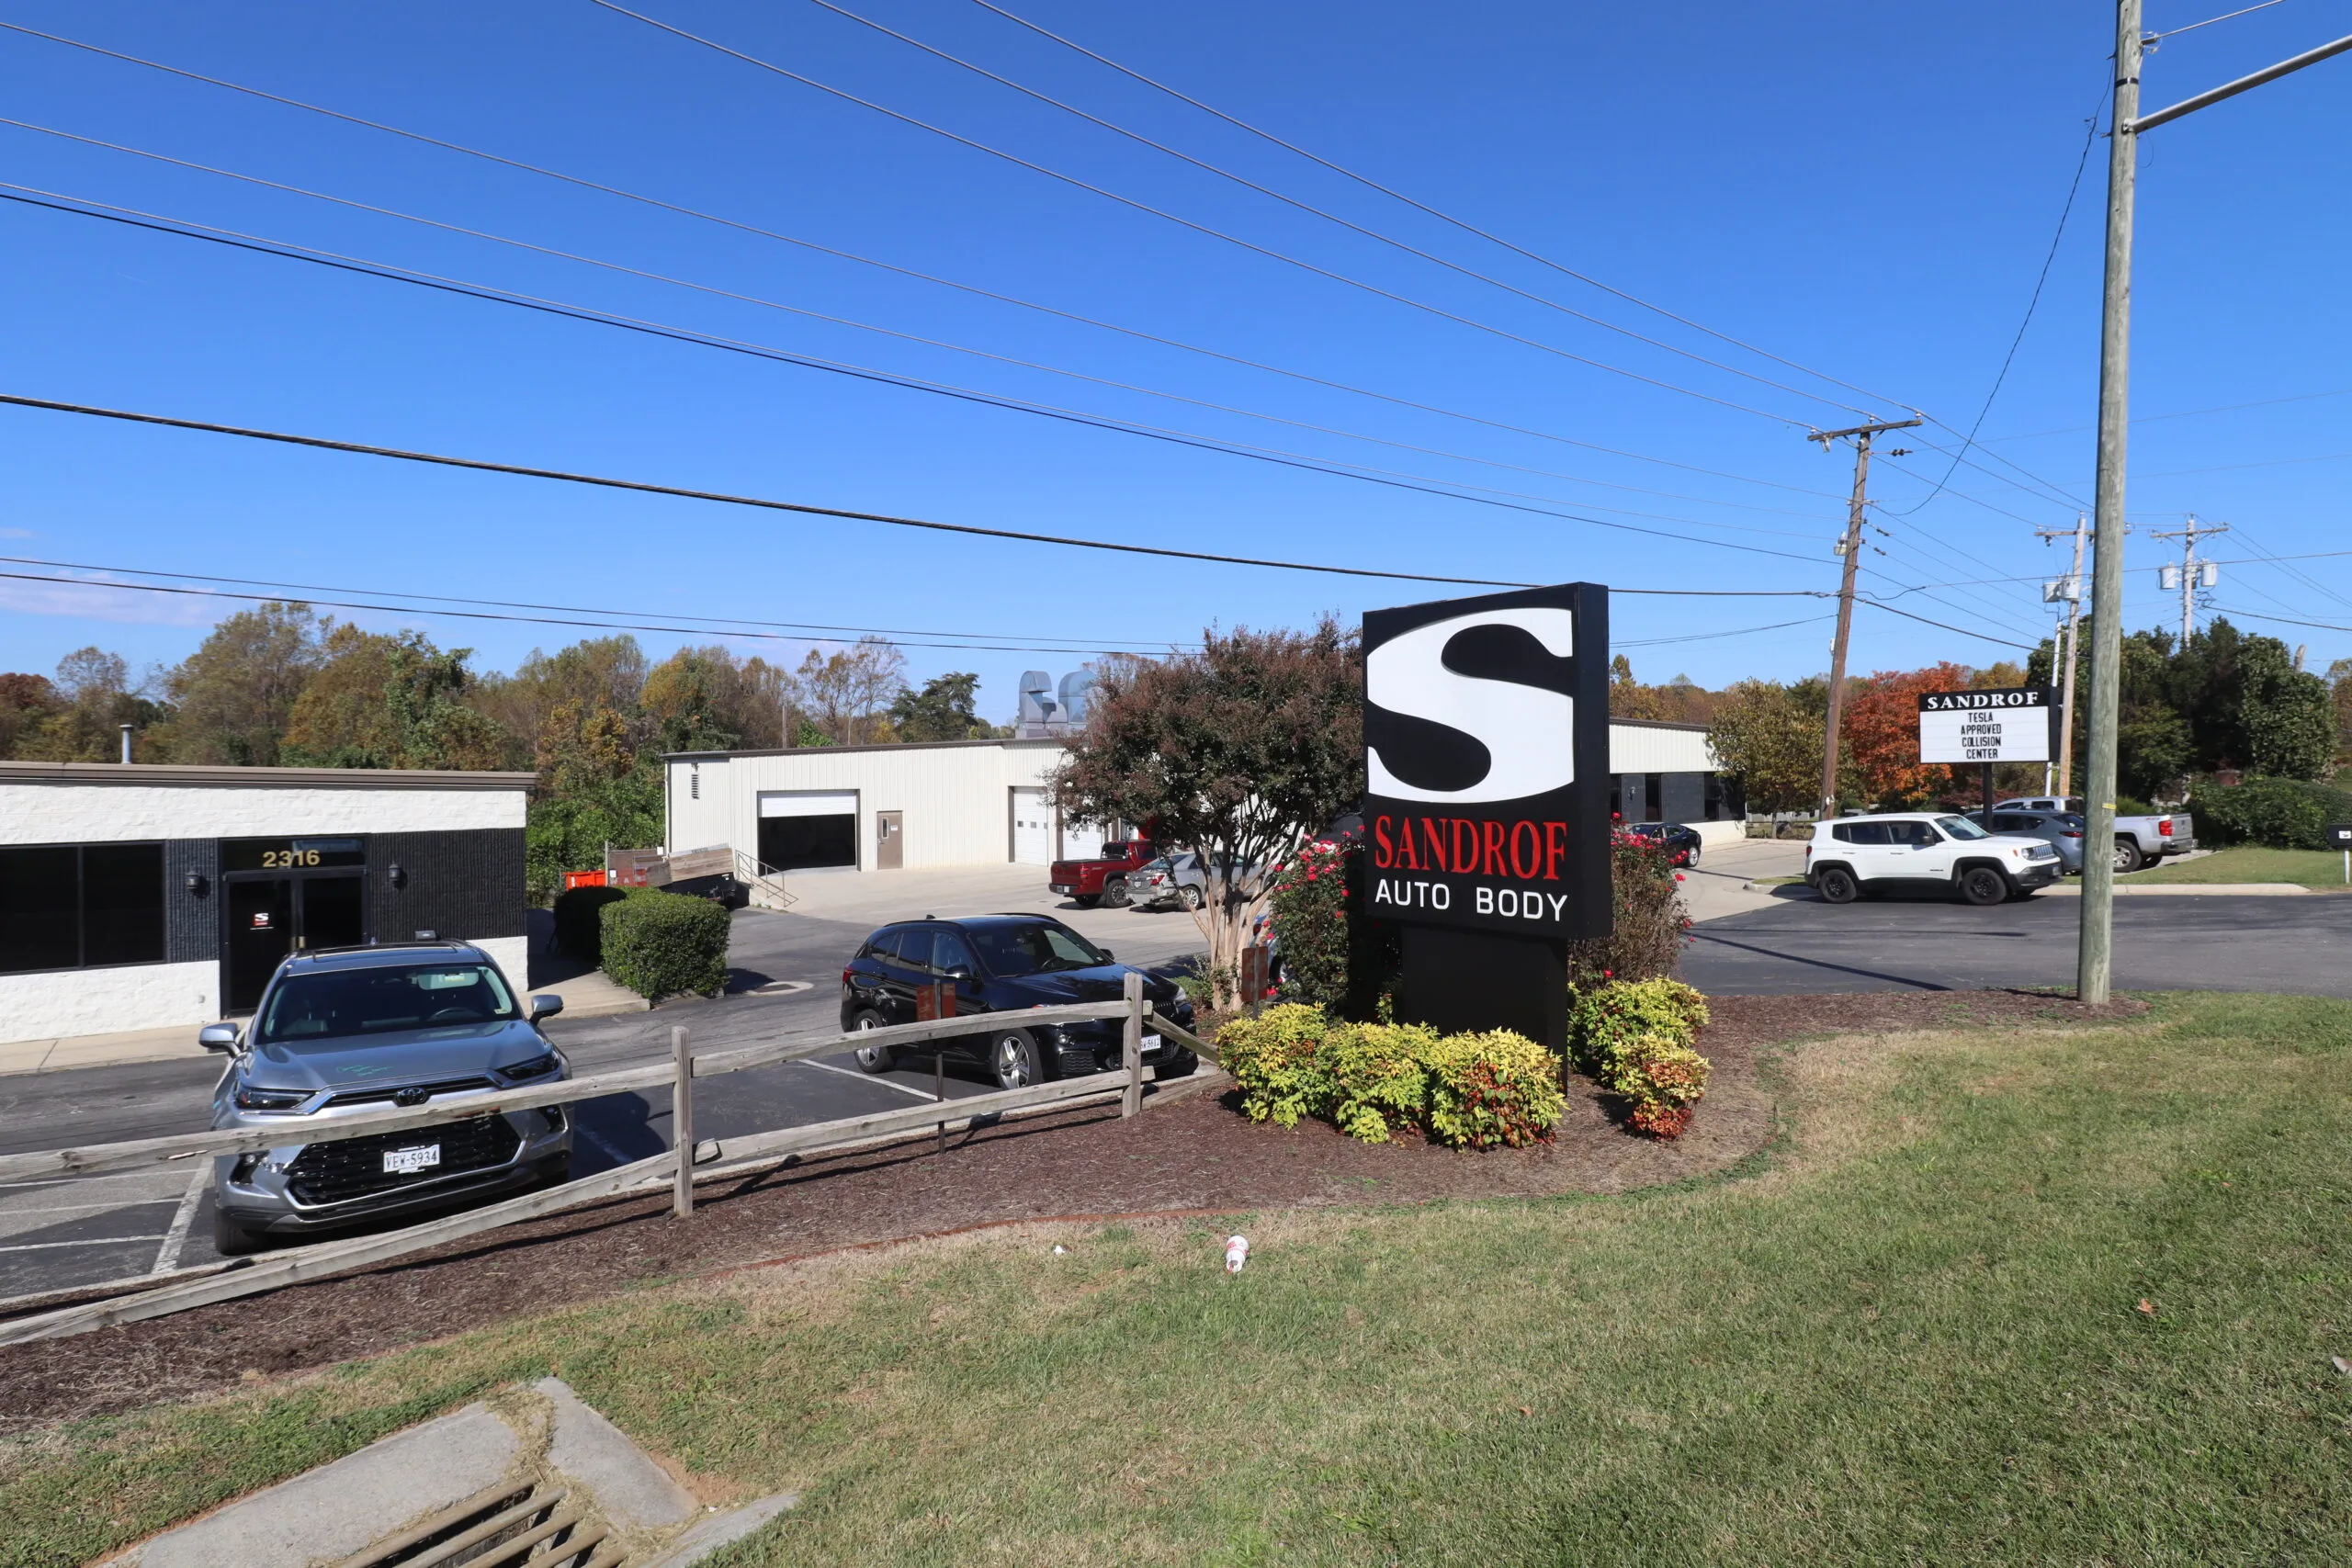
(1191, 1152)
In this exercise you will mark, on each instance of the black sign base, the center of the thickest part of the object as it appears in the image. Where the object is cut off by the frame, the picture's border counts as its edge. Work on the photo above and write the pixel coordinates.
(1470, 981)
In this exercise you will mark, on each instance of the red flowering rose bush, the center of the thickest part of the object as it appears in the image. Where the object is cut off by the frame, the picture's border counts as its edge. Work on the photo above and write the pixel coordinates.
(1333, 956)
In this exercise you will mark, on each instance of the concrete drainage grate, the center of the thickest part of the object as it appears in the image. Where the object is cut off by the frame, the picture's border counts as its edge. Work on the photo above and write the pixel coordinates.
(500, 1527)
(573, 1492)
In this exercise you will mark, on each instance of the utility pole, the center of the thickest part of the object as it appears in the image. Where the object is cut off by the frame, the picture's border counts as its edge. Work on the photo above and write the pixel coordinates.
(2071, 591)
(2188, 570)
(1850, 547)
(2094, 957)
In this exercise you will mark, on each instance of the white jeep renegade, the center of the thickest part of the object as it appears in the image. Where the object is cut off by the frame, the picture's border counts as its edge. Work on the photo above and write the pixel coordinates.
(1855, 856)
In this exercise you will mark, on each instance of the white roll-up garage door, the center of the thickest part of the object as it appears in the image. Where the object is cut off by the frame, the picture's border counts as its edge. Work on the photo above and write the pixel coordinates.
(804, 828)
(1032, 826)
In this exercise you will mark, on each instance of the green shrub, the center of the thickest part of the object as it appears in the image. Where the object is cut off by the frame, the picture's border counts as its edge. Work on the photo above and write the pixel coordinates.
(1278, 1061)
(2288, 813)
(1493, 1089)
(1605, 1019)
(1378, 1081)
(660, 943)
(579, 920)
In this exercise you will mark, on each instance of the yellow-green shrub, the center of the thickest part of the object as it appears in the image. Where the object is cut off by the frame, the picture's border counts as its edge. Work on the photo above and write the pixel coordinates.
(1605, 1020)
(1378, 1077)
(1277, 1059)
(1662, 1078)
(1372, 1080)
(1492, 1089)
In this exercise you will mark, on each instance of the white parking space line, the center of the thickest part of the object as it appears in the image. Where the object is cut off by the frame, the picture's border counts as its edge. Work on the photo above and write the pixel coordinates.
(868, 1077)
(81, 1180)
(168, 1256)
(601, 1146)
(86, 1241)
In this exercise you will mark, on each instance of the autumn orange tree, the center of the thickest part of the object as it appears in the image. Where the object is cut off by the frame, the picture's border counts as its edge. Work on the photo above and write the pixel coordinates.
(1880, 731)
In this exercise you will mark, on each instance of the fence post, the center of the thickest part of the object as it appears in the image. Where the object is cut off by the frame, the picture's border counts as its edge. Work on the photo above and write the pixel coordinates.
(1132, 1100)
(682, 1120)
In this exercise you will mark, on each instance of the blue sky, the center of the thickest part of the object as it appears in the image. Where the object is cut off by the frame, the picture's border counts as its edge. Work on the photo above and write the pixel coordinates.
(1867, 193)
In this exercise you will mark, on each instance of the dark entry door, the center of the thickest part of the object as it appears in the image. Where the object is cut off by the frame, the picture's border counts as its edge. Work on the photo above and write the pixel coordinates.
(260, 932)
(271, 916)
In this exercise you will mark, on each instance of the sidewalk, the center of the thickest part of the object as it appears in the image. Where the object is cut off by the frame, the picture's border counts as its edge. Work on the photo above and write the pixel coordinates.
(592, 995)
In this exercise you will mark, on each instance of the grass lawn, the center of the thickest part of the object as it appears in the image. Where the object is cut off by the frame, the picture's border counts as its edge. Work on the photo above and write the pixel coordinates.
(2028, 1296)
(2252, 863)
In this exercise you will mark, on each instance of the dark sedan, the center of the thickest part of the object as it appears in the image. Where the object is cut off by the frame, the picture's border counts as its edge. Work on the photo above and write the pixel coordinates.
(1682, 843)
(1005, 964)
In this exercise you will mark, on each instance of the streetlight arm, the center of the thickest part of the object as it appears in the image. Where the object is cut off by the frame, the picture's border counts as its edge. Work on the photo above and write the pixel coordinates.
(2232, 89)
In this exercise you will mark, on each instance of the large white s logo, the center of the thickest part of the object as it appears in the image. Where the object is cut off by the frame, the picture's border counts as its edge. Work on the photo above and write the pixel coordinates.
(1530, 733)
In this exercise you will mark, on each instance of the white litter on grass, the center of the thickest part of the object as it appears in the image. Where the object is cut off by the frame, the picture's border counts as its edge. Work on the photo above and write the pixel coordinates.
(1060, 1249)
(1237, 1253)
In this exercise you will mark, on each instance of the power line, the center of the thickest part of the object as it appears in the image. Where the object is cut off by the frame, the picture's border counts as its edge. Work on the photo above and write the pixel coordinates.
(1389, 479)
(497, 615)
(919, 276)
(719, 625)
(2184, 414)
(2090, 134)
(1423, 206)
(1711, 637)
(723, 498)
(1109, 194)
(741, 298)
(1222, 173)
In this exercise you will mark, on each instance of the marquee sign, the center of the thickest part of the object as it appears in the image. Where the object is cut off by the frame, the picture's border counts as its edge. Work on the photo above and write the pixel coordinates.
(1486, 758)
(1999, 724)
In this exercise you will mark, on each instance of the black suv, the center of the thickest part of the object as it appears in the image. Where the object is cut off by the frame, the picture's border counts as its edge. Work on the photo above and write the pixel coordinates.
(1005, 964)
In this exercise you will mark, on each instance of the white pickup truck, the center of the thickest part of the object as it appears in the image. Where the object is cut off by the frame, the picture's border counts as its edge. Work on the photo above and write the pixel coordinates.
(2138, 841)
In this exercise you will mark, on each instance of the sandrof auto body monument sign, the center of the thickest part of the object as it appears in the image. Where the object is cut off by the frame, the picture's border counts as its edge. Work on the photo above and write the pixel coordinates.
(1486, 759)
(1487, 807)
(1999, 724)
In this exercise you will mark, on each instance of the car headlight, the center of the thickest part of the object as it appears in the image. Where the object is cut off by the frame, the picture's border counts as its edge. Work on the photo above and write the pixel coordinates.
(536, 1068)
(249, 1098)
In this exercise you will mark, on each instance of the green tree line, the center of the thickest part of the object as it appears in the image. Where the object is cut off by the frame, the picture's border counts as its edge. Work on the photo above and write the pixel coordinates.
(282, 686)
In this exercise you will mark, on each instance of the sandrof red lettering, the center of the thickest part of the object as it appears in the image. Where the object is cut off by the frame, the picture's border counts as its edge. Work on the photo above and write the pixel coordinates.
(1491, 861)
(1526, 870)
(1384, 854)
(1556, 844)
(1466, 860)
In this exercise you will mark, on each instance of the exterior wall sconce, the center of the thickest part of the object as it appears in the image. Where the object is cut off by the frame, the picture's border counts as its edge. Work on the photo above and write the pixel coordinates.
(195, 885)
(397, 874)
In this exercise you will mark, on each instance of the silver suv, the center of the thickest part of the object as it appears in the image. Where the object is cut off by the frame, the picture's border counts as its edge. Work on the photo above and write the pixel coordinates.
(1855, 856)
(352, 1030)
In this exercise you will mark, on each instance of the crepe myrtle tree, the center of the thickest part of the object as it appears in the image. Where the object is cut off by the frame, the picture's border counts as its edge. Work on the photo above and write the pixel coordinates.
(1238, 753)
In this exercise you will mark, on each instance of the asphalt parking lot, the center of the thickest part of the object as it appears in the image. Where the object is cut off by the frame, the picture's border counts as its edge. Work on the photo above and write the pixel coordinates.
(785, 986)
(1800, 945)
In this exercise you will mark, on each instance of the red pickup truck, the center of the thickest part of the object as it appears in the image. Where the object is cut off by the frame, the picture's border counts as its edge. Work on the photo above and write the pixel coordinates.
(1102, 880)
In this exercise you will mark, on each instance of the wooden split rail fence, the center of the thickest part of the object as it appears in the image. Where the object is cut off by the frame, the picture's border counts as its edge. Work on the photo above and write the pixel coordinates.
(709, 1160)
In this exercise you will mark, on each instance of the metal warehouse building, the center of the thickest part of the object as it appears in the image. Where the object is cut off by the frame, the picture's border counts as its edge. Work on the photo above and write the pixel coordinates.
(136, 896)
(975, 802)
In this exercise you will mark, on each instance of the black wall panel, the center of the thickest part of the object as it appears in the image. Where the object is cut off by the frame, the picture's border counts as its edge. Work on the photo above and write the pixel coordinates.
(191, 921)
(461, 885)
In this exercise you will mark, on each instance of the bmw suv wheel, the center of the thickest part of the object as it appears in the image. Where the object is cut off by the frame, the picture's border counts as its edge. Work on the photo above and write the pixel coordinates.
(873, 1059)
(1012, 1056)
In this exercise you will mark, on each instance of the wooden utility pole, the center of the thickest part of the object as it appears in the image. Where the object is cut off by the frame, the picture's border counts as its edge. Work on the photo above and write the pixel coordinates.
(2195, 573)
(2093, 965)
(1852, 548)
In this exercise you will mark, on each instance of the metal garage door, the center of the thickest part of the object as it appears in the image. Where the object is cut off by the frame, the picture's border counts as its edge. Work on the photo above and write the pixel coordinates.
(802, 829)
(1081, 840)
(1032, 827)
